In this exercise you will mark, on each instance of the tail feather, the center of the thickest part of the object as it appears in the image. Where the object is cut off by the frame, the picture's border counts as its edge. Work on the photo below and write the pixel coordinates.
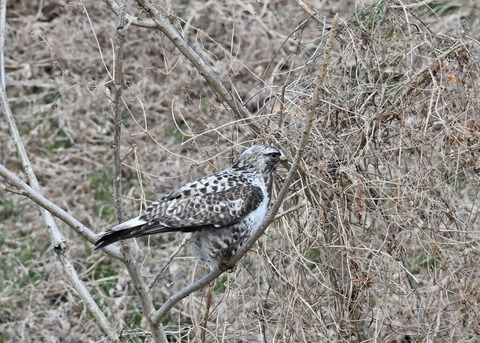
(132, 228)
(110, 237)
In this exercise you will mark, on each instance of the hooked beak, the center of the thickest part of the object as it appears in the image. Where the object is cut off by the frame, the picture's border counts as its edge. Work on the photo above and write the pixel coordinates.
(283, 159)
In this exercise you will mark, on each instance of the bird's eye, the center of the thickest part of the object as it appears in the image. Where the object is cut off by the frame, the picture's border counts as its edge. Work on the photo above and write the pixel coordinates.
(274, 155)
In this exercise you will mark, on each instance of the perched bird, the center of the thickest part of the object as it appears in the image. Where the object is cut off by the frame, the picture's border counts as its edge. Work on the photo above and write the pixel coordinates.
(222, 209)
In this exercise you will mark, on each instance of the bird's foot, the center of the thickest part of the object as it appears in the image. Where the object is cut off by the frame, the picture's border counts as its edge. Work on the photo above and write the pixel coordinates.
(226, 266)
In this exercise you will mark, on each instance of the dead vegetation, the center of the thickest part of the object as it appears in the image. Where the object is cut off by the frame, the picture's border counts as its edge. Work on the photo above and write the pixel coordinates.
(378, 237)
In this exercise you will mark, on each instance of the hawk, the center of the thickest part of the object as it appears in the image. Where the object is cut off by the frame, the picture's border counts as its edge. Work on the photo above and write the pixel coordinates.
(222, 210)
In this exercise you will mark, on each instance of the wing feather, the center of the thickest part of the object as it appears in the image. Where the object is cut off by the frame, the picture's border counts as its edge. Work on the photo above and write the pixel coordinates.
(188, 213)
(204, 209)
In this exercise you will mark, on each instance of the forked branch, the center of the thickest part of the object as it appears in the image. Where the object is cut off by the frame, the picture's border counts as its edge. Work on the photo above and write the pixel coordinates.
(163, 23)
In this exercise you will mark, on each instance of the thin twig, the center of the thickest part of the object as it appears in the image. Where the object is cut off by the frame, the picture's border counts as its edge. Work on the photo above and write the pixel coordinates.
(169, 260)
(309, 10)
(135, 21)
(281, 112)
(290, 210)
(129, 151)
(208, 304)
(117, 117)
(3, 22)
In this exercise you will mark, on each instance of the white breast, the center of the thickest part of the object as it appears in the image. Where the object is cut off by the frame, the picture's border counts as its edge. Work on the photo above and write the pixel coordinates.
(257, 216)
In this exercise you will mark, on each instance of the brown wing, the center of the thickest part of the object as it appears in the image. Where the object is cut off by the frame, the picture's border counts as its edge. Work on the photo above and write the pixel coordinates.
(188, 213)
(210, 209)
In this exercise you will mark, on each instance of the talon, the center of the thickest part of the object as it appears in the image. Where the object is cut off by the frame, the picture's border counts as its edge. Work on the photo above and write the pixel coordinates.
(226, 266)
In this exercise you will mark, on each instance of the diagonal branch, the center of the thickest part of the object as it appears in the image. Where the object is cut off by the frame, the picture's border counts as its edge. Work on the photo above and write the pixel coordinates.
(39, 199)
(299, 153)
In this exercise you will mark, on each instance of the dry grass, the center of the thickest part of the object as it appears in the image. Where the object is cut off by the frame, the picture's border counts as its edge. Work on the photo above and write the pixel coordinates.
(383, 238)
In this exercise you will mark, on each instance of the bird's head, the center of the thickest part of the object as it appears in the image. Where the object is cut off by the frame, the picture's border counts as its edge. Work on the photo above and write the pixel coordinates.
(261, 158)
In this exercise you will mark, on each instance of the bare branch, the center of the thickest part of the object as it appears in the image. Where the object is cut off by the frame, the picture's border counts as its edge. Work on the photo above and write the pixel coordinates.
(164, 24)
(39, 199)
(59, 243)
(310, 10)
(146, 23)
(3, 15)
(128, 258)
(117, 118)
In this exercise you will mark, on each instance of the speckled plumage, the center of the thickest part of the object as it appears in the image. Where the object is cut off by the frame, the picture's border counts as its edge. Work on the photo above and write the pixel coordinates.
(222, 209)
